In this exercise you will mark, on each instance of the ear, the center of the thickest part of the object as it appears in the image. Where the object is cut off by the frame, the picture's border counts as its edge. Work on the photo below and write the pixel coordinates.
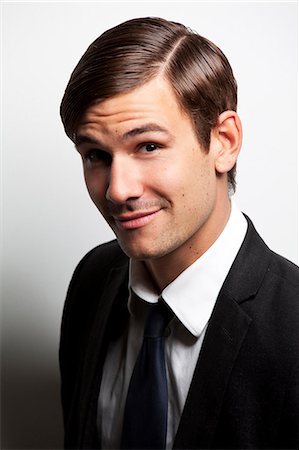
(226, 140)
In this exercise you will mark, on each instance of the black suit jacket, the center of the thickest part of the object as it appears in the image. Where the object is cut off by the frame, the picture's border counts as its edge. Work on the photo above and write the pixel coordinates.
(244, 392)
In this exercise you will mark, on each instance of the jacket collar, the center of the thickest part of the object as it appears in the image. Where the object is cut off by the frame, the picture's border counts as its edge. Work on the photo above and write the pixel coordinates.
(249, 268)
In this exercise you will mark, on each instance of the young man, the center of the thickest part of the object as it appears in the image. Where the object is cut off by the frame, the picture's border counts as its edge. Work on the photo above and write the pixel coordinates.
(151, 108)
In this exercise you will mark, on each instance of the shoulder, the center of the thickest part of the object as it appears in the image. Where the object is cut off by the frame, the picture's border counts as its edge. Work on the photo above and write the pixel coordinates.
(258, 258)
(280, 290)
(84, 296)
(89, 279)
(265, 284)
(272, 288)
(96, 264)
(284, 271)
(102, 257)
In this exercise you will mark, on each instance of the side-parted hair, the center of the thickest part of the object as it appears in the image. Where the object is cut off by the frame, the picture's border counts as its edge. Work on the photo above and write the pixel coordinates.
(134, 52)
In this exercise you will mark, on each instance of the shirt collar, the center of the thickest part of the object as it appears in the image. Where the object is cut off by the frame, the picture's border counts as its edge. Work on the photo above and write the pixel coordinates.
(192, 295)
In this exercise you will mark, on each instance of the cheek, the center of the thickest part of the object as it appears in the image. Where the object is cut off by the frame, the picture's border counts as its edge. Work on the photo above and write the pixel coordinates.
(96, 186)
(197, 184)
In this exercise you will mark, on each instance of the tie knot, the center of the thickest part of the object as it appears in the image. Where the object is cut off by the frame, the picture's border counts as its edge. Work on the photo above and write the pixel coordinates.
(157, 319)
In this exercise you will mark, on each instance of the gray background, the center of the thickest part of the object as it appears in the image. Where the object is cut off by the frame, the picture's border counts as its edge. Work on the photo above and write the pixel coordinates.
(50, 223)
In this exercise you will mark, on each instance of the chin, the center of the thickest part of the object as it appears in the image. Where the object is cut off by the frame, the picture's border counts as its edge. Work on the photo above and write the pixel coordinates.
(142, 252)
(138, 254)
(136, 251)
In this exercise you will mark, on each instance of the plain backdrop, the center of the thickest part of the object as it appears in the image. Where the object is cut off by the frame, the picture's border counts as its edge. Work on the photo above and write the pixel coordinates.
(50, 223)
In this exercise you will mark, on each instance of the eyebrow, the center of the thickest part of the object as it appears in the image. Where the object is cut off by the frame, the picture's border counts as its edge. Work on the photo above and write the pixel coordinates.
(147, 128)
(84, 139)
(150, 127)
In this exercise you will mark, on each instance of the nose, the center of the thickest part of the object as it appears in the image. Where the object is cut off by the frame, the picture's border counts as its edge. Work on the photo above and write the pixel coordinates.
(124, 181)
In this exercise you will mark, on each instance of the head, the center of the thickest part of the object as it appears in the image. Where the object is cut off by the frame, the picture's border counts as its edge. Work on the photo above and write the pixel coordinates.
(134, 52)
(151, 109)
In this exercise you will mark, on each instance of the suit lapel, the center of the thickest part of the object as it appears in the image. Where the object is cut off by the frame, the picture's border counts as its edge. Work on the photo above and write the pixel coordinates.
(111, 317)
(225, 335)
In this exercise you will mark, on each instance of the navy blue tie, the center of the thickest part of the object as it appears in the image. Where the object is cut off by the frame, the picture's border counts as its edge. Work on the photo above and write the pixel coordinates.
(145, 415)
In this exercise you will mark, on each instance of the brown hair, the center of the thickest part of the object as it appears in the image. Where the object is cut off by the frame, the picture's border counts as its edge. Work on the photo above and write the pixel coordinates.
(135, 51)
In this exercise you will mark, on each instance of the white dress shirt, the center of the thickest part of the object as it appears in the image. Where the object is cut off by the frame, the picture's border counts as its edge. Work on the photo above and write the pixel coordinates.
(191, 296)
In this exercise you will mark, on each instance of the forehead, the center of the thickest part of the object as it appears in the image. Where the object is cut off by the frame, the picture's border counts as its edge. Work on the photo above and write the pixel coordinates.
(154, 102)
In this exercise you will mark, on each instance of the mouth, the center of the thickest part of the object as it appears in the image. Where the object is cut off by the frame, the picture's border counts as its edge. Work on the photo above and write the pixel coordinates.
(130, 221)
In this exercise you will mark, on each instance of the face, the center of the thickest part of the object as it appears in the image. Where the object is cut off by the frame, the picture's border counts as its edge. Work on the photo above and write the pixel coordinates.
(147, 173)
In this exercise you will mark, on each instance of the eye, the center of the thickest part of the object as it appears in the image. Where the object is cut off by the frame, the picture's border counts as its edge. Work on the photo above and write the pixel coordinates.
(149, 147)
(95, 156)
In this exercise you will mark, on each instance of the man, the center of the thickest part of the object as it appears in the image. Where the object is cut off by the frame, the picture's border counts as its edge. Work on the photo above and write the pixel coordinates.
(151, 108)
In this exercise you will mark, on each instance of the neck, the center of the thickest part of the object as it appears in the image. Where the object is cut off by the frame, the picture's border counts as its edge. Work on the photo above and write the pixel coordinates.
(166, 269)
